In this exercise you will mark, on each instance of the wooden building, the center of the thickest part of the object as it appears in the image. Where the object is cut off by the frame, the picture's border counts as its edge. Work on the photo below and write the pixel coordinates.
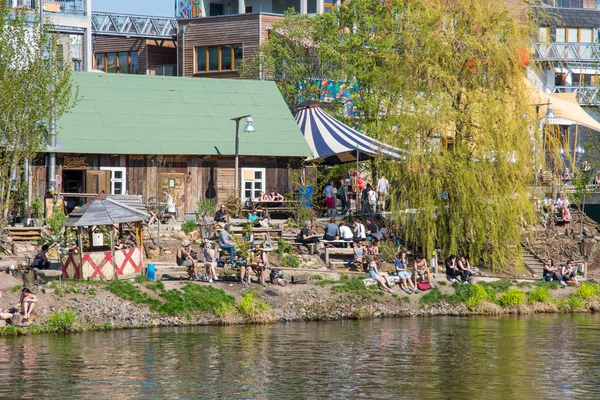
(215, 46)
(135, 55)
(135, 134)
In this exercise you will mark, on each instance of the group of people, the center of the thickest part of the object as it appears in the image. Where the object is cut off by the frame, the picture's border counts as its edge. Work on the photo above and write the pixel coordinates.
(271, 196)
(563, 274)
(458, 269)
(186, 257)
(27, 301)
(560, 206)
(368, 231)
(374, 197)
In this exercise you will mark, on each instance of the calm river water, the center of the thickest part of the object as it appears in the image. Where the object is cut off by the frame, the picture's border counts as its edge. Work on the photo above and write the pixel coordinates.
(531, 357)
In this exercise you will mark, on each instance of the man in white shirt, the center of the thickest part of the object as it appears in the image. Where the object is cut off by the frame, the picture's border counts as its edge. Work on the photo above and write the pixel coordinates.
(345, 232)
(383, 190)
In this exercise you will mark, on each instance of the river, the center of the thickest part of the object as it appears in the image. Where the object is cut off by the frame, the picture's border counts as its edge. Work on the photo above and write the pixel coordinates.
(509, 357)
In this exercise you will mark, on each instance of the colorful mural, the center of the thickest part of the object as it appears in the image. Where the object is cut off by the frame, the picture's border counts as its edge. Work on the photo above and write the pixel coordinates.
(326, 91)
(188, 9)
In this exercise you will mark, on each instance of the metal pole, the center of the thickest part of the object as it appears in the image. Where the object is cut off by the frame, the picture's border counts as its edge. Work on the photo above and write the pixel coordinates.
(237, 156)
(357, 188)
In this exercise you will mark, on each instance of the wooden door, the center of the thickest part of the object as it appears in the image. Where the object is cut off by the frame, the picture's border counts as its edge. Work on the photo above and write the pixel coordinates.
(97, 181)
(175, 184)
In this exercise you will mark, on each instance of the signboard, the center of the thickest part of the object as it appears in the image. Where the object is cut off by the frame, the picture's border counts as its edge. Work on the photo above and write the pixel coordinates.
(75, 162)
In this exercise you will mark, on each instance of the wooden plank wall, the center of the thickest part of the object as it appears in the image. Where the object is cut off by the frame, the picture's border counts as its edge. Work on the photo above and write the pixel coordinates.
(161, 53)
(209, 176)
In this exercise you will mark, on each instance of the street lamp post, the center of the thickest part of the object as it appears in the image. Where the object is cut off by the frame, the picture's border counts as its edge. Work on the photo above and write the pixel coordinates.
(248, 128)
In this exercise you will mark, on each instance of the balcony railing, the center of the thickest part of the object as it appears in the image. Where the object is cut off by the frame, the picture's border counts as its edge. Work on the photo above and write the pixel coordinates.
(71, 7)
(586, 95)
(578, 4)
(581, 52)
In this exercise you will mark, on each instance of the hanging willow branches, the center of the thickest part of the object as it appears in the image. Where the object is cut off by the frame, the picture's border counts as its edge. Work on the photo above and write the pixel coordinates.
(35, 88)
(444, 80)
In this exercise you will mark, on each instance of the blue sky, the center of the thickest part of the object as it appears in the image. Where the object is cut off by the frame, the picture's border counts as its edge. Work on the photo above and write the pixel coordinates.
(142, 7)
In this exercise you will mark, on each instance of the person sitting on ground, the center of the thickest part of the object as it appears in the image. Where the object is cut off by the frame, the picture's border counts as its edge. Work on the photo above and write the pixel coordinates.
(359, 230)
(261, 261)
(220, 214)
(40, 260)
(373, 231)
(306, 236)
(28, 301)
(210, 262)
(401, 265)
(4, 313)
(373, 250)
(549, 204)
(184, 259)
(452, 272)
(550, 273)
(359, 255)
(226, 242)
(464, 269)
(345, 232)
(274, 196)
(569, 274)
(245, 270)
(382, 278)
(421, 270)
(332, 232)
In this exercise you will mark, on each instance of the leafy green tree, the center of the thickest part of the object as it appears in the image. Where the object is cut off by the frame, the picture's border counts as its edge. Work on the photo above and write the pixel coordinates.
(432, 73)
(35, 89)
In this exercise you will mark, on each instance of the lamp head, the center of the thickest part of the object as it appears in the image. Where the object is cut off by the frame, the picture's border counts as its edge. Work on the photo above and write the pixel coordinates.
(249, 127)
(549, 112)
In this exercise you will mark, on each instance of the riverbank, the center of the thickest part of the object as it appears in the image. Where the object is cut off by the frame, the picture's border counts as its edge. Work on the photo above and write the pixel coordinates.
(88, 306)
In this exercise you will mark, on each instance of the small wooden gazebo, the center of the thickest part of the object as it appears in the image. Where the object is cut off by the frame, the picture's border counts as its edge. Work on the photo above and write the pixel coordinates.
(96, 260)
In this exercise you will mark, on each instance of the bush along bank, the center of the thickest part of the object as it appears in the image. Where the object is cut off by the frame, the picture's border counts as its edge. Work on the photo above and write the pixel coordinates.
(510, 297)
(94, 306)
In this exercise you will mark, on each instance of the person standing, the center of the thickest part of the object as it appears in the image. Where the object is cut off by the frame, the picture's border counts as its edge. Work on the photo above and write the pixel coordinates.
(329, 199)
(383, 190)
(342, 194)
(372, 199)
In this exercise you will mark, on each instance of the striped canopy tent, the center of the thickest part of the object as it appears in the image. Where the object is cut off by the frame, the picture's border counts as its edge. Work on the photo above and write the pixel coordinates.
(334, 142)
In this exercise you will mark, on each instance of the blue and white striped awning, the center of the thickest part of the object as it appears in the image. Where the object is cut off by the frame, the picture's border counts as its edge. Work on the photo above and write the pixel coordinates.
(334, 142)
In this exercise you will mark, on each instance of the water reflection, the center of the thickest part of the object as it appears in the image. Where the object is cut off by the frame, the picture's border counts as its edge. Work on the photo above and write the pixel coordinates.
(528, 357)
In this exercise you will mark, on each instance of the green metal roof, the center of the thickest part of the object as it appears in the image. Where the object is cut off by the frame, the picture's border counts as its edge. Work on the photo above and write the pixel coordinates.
(138, 114)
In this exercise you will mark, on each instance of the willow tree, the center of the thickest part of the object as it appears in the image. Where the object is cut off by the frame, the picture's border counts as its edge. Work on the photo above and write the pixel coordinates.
(445, 81)
(35, 89)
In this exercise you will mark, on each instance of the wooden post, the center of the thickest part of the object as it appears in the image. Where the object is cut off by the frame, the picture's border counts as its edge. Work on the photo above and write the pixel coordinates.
(574, 154)
(80, 248)
(112, 249)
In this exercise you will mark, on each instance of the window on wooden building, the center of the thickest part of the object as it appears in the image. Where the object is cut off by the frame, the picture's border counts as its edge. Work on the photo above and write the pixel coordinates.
(218, 58)
(122, 62)
(118, 184)
(253, 183)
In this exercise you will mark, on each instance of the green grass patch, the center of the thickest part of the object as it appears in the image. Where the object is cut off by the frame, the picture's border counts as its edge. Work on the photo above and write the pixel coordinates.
(128, 291)
(12, 330)
(499, 286)
(355, 285)
(193, 298)
(402, 299)
(156, 286)
(442, 283)
(62, 322)
(317, 277)
(471, 295)
(325, 282)
(254, 309)
(16, 289)
(540, 294)
(141, 279)
(512, 297)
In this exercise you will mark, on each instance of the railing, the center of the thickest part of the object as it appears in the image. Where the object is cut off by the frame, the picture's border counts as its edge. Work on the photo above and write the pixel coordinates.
(111, 24)
(581, 52)
(73, 7)
(164, 70)
(70, 7)
(580, 4)
(586, 95)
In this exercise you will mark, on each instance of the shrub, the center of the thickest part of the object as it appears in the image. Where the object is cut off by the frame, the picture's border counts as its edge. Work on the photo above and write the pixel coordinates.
(477, 295)
(205, 205)
(12, 330)
(254, 309)
(290, 261)
(189, 226)
(62, 321)
(284, 247)
(540, 295)
(16, 289)
(512, 297)
(587, 291)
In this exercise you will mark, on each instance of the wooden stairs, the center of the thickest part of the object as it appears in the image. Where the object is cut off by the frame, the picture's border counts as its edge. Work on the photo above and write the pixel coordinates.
(533, 263)
(24, 234)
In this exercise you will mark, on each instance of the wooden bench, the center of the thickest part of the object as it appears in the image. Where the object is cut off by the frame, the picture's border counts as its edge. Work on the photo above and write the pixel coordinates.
(332, 243)
(337, 250)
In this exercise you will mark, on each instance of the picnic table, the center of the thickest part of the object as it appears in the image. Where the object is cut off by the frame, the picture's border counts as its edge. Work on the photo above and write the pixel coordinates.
(270, 206)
